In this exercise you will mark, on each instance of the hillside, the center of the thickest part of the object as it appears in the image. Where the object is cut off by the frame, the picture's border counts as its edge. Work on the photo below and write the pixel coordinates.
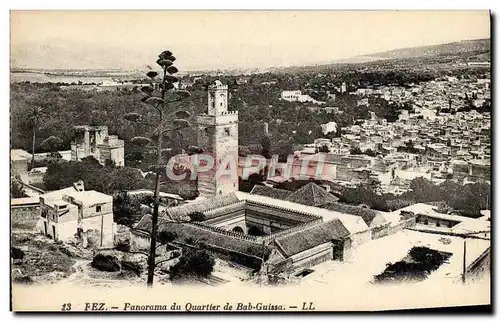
(453, 48)
(439, 56)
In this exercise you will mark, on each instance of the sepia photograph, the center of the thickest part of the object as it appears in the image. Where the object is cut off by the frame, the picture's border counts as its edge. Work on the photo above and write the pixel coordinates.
(250, 161)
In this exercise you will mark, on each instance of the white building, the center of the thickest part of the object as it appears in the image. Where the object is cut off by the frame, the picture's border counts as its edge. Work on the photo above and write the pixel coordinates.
(329, 127)
(291, 95)
(73, 214)
(296, 95)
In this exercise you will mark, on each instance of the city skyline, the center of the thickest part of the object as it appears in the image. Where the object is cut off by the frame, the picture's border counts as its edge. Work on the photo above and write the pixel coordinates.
(126, 39)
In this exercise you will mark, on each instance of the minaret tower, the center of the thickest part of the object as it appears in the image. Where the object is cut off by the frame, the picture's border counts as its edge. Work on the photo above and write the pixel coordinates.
(218, 136)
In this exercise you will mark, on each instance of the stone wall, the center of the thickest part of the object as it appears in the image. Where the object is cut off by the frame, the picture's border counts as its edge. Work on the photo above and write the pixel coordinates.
(102, 226)
(380, 231)
(139, 240)
(25, 213)
(360, 238)
(313, 256)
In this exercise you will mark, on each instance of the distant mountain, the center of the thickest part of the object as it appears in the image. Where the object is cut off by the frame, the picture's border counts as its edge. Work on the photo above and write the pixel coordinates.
(452, 48)
(61, 54)
(477, 50)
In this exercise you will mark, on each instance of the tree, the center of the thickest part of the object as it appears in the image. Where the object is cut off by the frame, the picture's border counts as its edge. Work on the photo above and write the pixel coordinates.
(323, 149)
(266, 146)
(51, 144)
(423, 190)
(35, 117)
(189, 194)
(253, 179)
(160, 94)
(16, 189)
(355, 151)
(108, 180)
(197, 216)
(370, 152)
(126, 209)
(195, 263)
(471, 199)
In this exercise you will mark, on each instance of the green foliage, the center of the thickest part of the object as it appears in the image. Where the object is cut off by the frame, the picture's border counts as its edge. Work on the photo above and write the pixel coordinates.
(295, 184)
(63, 109)
(188, 193)
(166, 237)
(126, 209)
(423, 190)
(355, 151)
(16, 253)
(106, 262)
(253, 179)
(418, 264)
(323, 149)
(193, 264)
(123, 245)
(265, 142)
(468, 199)
(370, 152)
(16, 189)
(133, 266)
(51, 144)
(103, 179)
(197, 216)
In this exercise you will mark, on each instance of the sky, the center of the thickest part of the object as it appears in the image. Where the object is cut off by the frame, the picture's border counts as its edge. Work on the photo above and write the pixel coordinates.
(226, 39)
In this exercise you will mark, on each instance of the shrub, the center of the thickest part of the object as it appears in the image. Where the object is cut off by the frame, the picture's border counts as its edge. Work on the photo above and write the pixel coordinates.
(106, 262)
(166, 236)
(132, 266)
(123, 246)
(25, 279)
(415, 267)
(65, 251)
(195, 263)
(16, 254)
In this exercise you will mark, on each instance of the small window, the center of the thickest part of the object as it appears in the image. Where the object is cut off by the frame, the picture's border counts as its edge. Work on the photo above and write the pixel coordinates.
(426, 222)
(438, 224)
(227, 131)
(98, 208)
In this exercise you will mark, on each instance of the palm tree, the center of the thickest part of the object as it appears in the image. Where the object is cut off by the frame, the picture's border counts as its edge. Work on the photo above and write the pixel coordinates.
(35, 117)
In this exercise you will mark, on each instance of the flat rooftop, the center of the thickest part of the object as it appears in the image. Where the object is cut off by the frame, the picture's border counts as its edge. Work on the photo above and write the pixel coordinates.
(370, 258)
(91, 197)
(24, 201)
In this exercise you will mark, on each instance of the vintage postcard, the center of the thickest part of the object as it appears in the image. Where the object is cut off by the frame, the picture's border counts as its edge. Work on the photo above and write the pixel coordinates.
(250, 161)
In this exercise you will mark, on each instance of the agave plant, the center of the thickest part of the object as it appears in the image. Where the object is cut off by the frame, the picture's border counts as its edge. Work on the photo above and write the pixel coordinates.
(159, 94)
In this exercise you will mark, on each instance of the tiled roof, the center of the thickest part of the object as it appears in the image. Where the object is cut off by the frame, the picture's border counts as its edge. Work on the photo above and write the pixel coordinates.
(197, 233)
(351, 222)
(306, 239)
(312, 195)
(368, 215)
(278, 193)
(181, 213)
